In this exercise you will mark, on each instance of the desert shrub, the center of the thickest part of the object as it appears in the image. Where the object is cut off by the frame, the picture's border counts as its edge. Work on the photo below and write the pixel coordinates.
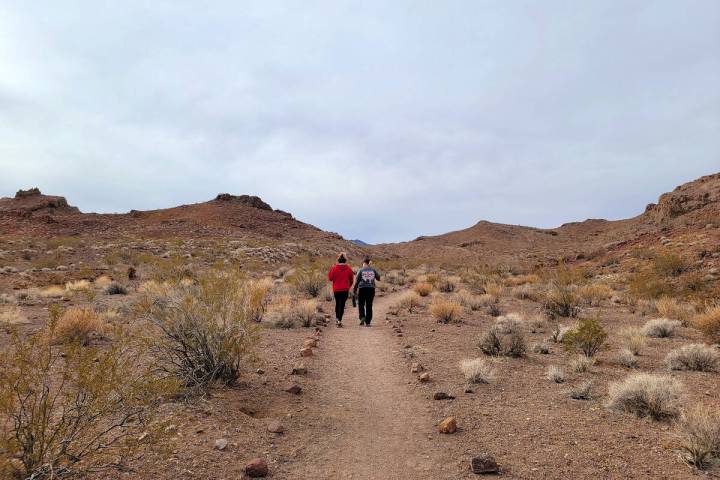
(537, 323)
(477, 371)
(494, 289)
(627, 358)
(695, 357)
(115, 289)
(305, 311)
(660, 328)
(469, 300)
(560, 301)
(582, 391)
(495, 343)
(77, 286)
(541, 348)
(445, 310)
(594, 293)
(102, 281)
(558, 334)
(258, 298)
(709, 324)
(555, 373)
(581, 363)
(76, 325)
(327, 293)
(669, 264)
(446, 285)
(646, 395)
(649, 285)
(526, 292)
(509, 323)
(423, 289)
(668, 307)
(53, 291)
(205, 330)
(309, 281)
(633, 340)
(587, 337)
(699, 432)
(409, 301)
(74, 412)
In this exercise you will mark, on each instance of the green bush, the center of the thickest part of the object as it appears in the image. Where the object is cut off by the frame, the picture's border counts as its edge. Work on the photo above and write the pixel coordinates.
(588, 337)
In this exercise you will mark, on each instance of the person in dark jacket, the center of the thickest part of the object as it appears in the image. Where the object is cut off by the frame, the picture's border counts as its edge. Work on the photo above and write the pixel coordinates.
(341, 276)
(365, 291)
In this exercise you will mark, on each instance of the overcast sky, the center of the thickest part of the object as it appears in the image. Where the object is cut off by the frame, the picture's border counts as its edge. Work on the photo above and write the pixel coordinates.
(378, 120)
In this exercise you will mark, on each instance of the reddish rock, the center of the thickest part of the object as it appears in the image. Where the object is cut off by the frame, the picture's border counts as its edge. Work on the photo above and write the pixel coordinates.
(424, 377)
(257, 468)
(449, 425)
(306, 352)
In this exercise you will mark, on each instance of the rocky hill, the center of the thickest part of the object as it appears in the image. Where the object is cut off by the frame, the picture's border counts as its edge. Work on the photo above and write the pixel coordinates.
(690, 209)
(30, 213)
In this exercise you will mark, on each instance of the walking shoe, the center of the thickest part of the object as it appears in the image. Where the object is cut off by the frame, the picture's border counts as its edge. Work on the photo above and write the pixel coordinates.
(362, 321)
(338, 323)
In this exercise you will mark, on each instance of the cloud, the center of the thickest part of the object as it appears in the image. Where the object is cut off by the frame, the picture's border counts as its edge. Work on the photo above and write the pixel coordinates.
(379, 121)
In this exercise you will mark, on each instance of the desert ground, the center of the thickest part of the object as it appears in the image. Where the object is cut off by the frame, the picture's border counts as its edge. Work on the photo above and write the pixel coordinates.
(199, 342)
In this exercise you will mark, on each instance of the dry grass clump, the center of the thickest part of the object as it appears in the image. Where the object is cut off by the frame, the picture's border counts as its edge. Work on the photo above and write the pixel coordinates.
(259, 291)
(495, 343)
(668, 307)
(627, 358)
(409, 301)
(470, 301)
(558, 334)
(77, 325)
(445, 310)
(581, 363)
(541, 348)
(509, 323)
(709, 324)
(423, 289)
(695, 357)
(582, 391)
(594, 293)
(526, 292)
(660, 328)
(78, 286)
(309, 281)
(103, 281)
(699, 432)
(53, 291)
(477, 371)
(115, 289)
(204, 332)
(560, 301)
(11, 315)
(555, 373)
(305, 311)
(494, 289)
(446, 285)
(633, 339)
(517, 280)
(646, 395)
(75, 412)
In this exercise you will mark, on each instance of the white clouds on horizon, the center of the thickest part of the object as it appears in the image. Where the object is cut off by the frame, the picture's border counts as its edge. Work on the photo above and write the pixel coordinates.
(381, 122)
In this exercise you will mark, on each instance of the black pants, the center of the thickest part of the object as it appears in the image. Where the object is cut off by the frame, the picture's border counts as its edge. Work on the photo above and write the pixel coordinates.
(365, 301)
(340, 299)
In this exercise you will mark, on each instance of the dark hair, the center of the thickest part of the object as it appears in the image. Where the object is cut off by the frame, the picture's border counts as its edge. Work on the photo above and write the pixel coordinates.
(366, 260)
(342, 258)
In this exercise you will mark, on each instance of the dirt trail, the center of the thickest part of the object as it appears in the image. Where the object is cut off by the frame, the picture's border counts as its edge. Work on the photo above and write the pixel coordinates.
(374, 425)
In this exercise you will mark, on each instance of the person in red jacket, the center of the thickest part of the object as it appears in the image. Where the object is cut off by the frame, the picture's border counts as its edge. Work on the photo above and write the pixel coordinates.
(342, 277)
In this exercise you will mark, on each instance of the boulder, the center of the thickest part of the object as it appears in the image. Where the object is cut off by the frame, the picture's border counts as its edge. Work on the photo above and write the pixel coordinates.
(295, 389)
(221, 444)
(484, 464)
(447, 426)
(257, 468)
(299, 369)
(424, 377)
(275, 427)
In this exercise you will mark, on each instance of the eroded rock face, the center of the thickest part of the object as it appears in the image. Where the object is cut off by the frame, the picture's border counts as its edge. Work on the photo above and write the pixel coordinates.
(686, 198)
(249, 200)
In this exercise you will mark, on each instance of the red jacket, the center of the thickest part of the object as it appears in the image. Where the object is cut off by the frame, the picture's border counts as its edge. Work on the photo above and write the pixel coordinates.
(341, 276)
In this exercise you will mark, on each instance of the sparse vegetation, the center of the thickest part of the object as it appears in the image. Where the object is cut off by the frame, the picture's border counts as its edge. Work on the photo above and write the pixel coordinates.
(695, 357)
(477, 371)
(309, 281)
(660, 328)
(555, 373)
(581, 363)
(423, 289)
(76, 325)
(709, 324)
(699, 433)
(672, 308)
(409, 301)
(204, 331)
(627, 358)
(582, 391)
(115, 289)
(646, 395)
(445, 310)
(495, 343)
(560, 301)
(633, 339)
(587, 337)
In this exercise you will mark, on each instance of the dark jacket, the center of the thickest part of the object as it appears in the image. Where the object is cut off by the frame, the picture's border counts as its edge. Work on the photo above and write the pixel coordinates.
(366, 278)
